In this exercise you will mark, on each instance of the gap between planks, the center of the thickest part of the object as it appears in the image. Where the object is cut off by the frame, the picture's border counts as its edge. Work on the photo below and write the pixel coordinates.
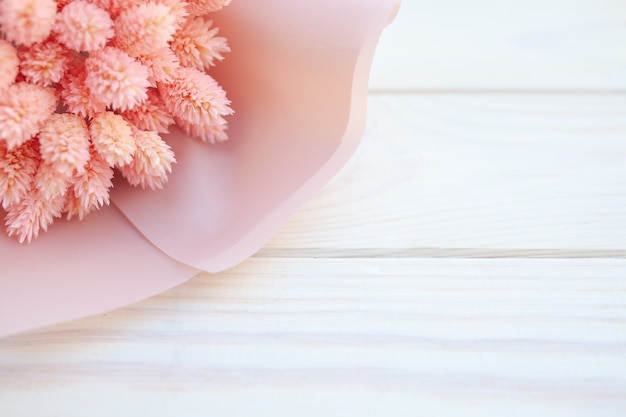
(425, 253)
(499, 91)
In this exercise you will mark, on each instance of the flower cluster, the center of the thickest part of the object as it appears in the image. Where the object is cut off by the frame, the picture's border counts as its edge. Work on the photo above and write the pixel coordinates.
(86, 87)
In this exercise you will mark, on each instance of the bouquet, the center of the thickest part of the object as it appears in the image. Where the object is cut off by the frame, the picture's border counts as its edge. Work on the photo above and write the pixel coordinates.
(88, 86)
(297, 75)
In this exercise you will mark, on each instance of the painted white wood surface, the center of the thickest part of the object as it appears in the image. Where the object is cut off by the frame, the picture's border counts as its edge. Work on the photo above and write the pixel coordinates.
(324, 337)
(470, 260)
(504, 45)
(480, 171)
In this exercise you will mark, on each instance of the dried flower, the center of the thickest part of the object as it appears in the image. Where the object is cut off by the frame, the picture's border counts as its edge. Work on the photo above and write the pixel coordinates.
(89, 190)
(151, 163)
(9, 64)
(178, 9)
(202, 7)
(44, 63)
(27, 21)
(116, 79)
(49, 182)
(195, 98)
(151, 114)
(83, 26)
(113, 138)
(114, 7)
(62, 3)
(144, 29)
(88, 85)
(23, 110)
(31, 214)
(209, 133)
(77, 97)
(161, 65)
(196, 45)
(64, 141)
(17, 171)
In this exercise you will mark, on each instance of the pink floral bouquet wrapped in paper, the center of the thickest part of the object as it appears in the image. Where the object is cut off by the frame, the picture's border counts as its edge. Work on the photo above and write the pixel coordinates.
(88, 86)
(125, 106)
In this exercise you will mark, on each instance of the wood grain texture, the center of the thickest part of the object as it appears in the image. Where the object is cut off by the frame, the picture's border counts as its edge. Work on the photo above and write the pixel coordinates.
(341, 337)
(439, 174)
(470, 260)
(509, 45)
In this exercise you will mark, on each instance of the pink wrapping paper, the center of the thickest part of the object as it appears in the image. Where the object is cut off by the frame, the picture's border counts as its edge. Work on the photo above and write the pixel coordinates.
(297, 76)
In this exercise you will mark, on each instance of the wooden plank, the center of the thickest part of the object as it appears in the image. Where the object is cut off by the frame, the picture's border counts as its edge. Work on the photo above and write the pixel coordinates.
(341, 337)
(475, 175)
(504, 45)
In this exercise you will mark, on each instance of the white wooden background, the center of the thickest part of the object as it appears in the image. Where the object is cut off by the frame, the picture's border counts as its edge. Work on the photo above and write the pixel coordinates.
(469, 261)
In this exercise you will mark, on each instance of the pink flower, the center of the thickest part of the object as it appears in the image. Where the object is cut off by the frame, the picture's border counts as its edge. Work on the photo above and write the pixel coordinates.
(151, 163)
(23, 110)
(196, 45)
(49, 182)
(209, 133)
(31, 214)
(64, 141)
(202, 7)
(116, 79)
(89, 190)
(151, 114)
(195, 98)
(144, 29)
(17, 171)
(120, 61)
(9, 64)
(27, 21)
(178, 9)
(62, 3)
(161, 65)
(113, 138)
(77, 97)
(44, 63)
(114, 7)
(83, 26)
